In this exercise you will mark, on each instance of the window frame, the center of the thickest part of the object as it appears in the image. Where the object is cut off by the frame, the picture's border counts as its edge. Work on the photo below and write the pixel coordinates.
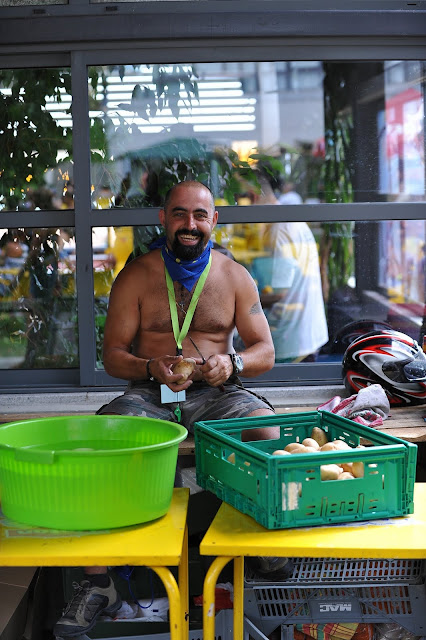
(271, 38)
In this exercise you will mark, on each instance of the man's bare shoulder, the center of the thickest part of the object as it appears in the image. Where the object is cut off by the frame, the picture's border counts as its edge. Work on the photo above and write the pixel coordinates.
(140, 269)
(151, 260)
(233, 270)
(223, 260)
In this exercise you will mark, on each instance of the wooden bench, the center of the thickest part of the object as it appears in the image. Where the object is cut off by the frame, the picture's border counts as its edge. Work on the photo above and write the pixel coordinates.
(408, 423)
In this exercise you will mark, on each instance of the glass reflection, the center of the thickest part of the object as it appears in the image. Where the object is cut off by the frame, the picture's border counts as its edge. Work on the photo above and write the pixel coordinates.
(38, 315)
(152, 126)
(35, 140)
(320, 284)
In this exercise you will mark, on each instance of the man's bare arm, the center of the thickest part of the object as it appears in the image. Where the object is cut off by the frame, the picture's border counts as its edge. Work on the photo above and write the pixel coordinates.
(121, 327)
(253, 328)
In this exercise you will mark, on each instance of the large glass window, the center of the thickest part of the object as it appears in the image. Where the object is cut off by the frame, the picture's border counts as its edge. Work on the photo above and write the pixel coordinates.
(330, 131)
(79, 193)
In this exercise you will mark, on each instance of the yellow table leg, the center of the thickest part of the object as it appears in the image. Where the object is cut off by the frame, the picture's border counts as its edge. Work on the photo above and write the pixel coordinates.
(209, 595)
(183, 579)
(238, 598)
(176, 620)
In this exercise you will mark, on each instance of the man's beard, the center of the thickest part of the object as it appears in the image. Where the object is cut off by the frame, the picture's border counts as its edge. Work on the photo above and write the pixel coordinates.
(192, 252)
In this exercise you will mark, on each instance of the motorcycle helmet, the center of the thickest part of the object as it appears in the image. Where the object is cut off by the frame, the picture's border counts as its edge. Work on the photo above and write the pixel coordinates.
(391, 359)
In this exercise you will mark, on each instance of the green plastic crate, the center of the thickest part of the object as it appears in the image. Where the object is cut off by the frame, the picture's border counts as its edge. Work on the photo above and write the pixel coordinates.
(287, 491)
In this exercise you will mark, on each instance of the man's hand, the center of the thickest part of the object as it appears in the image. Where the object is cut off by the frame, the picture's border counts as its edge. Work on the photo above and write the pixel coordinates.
(217, 369)
(161, 370)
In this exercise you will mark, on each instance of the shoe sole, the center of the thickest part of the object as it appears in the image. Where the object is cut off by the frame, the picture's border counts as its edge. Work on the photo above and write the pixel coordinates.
(71, 633)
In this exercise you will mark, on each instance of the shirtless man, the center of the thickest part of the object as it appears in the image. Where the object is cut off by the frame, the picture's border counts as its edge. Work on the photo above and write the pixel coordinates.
(140, 346)
(139, 330)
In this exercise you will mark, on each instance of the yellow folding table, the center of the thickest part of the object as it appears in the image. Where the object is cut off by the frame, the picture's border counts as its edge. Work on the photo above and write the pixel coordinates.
(233, 535)
(159, 544)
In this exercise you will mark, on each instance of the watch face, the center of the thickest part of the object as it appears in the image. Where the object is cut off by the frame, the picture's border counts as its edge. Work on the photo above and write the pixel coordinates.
(238, 363)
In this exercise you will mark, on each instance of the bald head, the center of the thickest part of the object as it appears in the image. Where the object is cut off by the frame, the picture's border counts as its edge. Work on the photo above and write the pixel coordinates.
(187, 184)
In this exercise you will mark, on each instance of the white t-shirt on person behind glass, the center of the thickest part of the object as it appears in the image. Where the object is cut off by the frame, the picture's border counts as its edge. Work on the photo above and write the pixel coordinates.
(298, 322)
(290, 198)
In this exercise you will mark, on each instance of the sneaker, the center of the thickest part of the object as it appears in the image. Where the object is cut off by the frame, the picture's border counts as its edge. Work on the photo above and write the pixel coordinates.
(84, 608)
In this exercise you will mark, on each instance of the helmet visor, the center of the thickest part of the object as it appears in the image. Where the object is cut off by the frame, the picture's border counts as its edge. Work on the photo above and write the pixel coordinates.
(412, 370)
(416, 369)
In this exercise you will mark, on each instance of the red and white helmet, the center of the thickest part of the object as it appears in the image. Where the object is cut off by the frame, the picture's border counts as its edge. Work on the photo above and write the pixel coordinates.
(391, 359)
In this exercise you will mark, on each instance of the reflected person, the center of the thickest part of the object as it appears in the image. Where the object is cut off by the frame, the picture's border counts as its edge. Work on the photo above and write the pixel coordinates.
(295, 304)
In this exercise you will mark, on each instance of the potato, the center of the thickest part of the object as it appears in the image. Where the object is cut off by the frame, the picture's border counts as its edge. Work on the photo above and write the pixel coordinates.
(329, 446)
(330, 471)
(346, 466)
(297, 447)
(319, 435)
(281, 452)
(231, 458)
(358, 469)
(185, 367)
(310, 442)
(302, 449)
(346, 476)
(311, 449)
(293, 445)
(341, 444)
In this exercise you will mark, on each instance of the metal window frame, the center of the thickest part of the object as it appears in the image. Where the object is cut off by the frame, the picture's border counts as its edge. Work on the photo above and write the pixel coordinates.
(211, 31)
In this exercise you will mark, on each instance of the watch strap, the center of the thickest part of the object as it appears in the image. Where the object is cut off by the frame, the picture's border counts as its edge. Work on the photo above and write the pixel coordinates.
(232, 362)
(235, 370)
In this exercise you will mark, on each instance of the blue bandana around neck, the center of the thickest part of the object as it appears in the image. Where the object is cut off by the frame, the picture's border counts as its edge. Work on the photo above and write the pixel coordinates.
(186, 272)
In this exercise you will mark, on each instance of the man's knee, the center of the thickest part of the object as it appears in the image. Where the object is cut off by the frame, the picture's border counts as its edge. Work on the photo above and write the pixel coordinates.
(263, 433)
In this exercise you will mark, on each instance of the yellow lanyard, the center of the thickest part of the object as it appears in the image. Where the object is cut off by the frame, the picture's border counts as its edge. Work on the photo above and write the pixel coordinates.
(180, 334)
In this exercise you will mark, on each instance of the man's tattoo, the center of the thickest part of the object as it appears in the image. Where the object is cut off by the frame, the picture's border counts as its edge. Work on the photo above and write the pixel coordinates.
(256, 308)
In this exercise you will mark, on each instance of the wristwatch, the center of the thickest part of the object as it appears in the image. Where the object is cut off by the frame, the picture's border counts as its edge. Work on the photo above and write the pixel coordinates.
(237, 363)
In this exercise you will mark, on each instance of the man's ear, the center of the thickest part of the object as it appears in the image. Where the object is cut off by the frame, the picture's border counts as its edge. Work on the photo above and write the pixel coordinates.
(215, 217)
(162, 216)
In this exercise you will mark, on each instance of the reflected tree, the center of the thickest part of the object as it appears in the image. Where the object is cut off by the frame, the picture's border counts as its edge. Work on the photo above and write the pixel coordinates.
(30, 136)
(175, 157)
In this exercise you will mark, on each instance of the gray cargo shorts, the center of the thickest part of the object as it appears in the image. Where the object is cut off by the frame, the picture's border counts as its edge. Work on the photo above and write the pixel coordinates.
(203, 402)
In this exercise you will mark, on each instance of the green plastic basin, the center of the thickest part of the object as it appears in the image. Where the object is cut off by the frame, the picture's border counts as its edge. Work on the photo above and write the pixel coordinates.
(88, 472)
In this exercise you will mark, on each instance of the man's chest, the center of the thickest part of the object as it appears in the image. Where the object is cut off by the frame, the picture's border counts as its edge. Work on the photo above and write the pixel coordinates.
(213, 312)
